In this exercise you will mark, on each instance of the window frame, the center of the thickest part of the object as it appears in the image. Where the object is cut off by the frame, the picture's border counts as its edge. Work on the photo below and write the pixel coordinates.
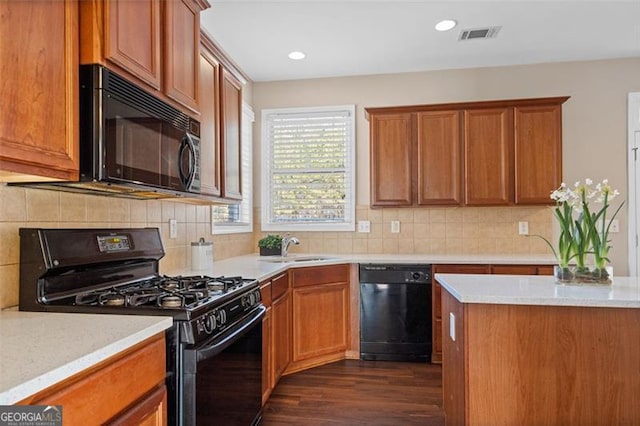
(266, 146)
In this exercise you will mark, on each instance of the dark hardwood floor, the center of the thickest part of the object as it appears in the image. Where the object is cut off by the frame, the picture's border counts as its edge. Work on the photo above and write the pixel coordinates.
(354, 392)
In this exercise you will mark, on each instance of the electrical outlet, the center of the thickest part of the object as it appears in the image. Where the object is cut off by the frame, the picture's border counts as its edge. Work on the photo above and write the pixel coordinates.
(523, 228)
(395, 226)
(173, 228)
(364, 226)
(614, 227)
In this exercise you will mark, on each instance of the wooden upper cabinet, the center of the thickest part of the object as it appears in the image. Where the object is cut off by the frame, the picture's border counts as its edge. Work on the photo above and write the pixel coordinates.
(132, 38)
(538, 153)
(231, 92)
(210, 162)
(182, 44)
(39, 90)
(488, 153)
(439, 162)
(155, 43)
(391, 159)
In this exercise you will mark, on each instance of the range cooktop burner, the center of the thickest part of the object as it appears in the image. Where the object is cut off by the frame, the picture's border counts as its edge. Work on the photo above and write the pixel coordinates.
(170, 301)
(164, 292)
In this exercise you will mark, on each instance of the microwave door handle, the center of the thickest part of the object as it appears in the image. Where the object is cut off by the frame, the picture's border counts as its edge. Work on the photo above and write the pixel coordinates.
(194, 160)
(186, 177)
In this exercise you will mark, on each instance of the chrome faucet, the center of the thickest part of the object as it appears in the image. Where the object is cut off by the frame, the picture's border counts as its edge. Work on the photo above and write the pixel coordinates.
(286, 241)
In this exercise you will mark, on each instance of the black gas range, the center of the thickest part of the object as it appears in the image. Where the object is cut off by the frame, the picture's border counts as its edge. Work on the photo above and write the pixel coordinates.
(217, 320)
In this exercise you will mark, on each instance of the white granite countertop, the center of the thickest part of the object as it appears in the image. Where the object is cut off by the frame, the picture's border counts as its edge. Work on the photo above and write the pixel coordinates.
(39, 349)
(264, 267)
(540, 290)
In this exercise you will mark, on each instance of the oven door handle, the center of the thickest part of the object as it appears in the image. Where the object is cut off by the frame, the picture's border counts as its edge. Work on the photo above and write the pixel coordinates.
(219, 345)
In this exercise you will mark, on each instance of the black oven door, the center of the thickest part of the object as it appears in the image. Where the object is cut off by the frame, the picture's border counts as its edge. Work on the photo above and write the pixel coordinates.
(222, 378)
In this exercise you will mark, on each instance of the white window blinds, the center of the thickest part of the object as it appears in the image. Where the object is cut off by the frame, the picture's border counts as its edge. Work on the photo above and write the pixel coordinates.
(309, 169)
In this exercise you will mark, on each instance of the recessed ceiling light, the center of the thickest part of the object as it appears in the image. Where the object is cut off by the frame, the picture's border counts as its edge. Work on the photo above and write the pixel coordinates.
(445, 25)
(296, 56)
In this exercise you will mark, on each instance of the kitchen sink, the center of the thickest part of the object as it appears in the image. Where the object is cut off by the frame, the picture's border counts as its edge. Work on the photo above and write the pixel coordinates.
(295, 258)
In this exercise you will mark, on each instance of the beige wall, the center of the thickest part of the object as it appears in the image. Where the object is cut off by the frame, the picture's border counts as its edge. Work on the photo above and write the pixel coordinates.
(594, 119)
(21, 207)
(594, 146)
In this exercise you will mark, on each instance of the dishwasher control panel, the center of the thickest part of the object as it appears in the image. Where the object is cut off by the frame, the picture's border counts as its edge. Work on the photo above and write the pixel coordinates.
(395, 273)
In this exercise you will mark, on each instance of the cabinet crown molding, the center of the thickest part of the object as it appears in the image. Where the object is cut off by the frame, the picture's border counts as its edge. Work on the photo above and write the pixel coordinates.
(502, 103)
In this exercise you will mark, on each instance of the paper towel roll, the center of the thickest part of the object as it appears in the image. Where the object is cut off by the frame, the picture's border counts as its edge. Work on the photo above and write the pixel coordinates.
(201, 254)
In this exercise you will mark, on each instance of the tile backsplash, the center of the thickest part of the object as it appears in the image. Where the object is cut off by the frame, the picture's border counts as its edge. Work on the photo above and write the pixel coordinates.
(443, 230)
(26, 207)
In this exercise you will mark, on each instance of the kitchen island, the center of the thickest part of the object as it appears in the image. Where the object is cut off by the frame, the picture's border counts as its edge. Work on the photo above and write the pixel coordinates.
(523, 350)
(41, 349)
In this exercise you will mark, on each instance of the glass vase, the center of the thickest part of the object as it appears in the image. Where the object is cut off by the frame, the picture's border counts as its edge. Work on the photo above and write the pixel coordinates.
(583, 275)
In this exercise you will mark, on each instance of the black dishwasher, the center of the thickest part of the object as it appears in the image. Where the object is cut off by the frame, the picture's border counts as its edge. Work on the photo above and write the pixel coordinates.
(395, 312)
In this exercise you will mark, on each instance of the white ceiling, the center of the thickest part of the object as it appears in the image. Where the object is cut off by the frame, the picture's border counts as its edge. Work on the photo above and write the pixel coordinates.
(358, 37)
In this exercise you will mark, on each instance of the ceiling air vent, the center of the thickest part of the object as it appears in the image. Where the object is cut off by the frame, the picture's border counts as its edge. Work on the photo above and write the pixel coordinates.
(479, 33)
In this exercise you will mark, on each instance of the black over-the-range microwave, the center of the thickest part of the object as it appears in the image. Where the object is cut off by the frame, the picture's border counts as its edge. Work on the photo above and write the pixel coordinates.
(132, 143)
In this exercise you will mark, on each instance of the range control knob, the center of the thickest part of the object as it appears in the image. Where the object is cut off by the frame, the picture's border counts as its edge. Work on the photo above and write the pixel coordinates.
(416, 275)
(221, 317)
(210, 323)
(251, 299)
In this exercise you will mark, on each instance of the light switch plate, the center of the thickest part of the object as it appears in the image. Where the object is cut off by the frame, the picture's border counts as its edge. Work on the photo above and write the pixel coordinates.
(614, 227)
(452, 326)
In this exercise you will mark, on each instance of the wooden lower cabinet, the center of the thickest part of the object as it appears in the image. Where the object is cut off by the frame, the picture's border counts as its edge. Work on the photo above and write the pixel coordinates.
(281, 339)
(125, 389)
(267, 346)
(321, 321)
(436, 310)
(436, 307)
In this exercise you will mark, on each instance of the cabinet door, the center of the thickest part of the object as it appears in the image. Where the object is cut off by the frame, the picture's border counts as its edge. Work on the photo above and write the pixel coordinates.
(39, 90)
(210, 178)
(538, 153)
(436, 302)
(181, 51)
(488, 156)
(320, 320)
(391, 159)
(132, 38)
(231, 126)
(281, 335)
(267, 374)
(439, 158)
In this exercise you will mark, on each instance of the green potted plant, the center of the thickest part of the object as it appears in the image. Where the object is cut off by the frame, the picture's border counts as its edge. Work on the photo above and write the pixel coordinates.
(271, 245)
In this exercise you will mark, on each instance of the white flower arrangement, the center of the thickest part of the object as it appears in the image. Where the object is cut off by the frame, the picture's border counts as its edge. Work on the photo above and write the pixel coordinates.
(584, 231)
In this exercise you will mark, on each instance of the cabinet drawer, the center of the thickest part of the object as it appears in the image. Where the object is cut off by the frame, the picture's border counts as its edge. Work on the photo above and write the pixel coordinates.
(279, 286)
(320, 275)
(514, 270)
(461, 269)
